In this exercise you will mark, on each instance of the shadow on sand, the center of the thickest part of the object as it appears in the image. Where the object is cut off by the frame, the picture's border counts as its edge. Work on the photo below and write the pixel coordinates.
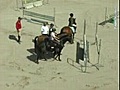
(33, 55)
(13, 37)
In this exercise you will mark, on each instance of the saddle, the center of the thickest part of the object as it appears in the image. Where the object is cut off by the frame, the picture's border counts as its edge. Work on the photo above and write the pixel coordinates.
(51, 44)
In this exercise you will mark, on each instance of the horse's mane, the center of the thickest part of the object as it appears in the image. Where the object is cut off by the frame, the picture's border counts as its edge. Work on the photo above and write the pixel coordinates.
(62, 35)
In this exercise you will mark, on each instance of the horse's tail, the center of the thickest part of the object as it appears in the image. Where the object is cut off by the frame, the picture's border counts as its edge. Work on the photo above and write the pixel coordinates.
(35, 42)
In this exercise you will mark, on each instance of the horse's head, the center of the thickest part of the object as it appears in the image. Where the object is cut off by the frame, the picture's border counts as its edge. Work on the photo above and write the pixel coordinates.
(64, 37)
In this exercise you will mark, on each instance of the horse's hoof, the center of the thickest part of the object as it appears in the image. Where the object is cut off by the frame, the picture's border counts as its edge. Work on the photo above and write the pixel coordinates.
(55, 58)
(45, 59)
(59, 59)
(36, 62)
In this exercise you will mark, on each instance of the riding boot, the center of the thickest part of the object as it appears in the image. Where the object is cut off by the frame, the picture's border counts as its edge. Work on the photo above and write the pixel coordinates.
(18, 38)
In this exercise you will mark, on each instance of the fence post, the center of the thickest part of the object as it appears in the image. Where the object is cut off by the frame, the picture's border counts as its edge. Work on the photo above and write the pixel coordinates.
(115, 19)
(85, 46)
(54, 16)
(99, 51)
(96, 36)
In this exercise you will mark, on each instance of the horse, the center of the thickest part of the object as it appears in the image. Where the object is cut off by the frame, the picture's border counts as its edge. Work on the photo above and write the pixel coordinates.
(42, 46)
(69, 31)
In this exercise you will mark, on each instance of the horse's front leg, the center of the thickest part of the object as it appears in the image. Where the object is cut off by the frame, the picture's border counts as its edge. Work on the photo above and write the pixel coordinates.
(36, 61)
(59, 57)
(43, 53)
(44, 56)
(37, 56)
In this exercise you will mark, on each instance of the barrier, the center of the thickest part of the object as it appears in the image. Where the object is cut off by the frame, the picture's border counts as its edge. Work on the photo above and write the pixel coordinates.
(111, 18)
(82, 53)
(33, 4)
(27, 4)
(98, 44)
(86, 47)
(39, 17)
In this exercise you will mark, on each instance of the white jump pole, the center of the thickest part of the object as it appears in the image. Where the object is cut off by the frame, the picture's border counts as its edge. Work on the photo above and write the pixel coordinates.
(99, 51)
(84, 46)
(96, 36)
(115, 19)
(85, 53)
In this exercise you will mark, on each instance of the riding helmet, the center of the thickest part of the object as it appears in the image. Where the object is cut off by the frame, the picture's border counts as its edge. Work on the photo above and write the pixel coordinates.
(71, 14)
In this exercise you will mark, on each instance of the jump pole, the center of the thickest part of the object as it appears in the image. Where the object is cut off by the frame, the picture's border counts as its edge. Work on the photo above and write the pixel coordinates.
(99, 51)
(115, 19)
(96, 36)
(84, 46)
(98, 44)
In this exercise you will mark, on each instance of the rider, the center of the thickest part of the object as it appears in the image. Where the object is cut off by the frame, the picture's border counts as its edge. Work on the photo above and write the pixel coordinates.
(72, 22)
(50, 28)
(53, 37)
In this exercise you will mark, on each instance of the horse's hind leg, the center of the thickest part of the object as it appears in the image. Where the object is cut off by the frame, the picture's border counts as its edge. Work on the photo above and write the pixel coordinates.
(59, 57)
(36, 61)
(44, 57)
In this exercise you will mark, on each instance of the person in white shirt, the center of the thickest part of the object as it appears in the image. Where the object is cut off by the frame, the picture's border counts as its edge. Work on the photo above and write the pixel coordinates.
(45, 29)
(54, 38)
(53, 35)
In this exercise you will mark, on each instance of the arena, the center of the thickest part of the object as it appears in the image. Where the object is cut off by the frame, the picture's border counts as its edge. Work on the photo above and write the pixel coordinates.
(17, 68)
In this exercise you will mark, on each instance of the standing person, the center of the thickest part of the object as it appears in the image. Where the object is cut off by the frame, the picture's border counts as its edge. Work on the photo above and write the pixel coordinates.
(45, 29)
(19, 28)
(72, 23)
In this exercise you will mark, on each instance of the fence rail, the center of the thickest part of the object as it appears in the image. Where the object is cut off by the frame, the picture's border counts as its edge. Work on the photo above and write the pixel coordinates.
(37, 15)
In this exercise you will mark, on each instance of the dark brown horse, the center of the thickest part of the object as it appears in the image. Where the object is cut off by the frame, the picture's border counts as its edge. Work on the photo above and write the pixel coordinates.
(41, 46)
(68, 31)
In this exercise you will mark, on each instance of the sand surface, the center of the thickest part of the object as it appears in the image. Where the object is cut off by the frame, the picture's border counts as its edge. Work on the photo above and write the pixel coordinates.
(19, 72)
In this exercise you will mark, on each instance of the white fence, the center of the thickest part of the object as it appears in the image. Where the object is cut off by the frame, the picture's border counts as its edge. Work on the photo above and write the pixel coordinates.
(35, 16)
(27, 4)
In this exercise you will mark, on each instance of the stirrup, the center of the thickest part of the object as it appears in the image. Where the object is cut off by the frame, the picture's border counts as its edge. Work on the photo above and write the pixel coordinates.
(52, 47)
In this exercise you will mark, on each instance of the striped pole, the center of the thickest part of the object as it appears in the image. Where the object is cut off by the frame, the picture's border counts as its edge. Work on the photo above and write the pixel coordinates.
(115, 19)
(96, 36)
(99, 51)
(84, 46)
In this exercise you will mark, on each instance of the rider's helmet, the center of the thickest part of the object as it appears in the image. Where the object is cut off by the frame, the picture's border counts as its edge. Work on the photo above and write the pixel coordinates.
(51, 24)
(71, 14)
